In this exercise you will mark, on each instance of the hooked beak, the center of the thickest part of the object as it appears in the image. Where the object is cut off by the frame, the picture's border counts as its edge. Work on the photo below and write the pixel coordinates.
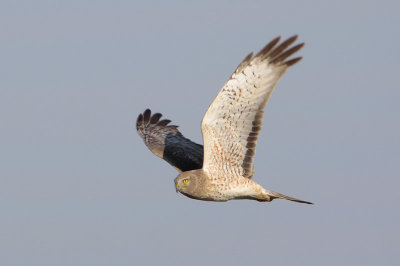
(177, 187)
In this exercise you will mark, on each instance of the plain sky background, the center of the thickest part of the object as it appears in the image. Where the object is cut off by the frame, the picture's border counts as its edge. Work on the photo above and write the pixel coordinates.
(79, 187)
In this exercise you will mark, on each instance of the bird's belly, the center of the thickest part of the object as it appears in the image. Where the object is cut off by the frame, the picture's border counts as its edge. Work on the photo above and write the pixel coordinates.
(240, 190)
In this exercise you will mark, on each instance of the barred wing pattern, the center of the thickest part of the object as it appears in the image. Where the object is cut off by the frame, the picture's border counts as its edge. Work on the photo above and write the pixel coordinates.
(233, 121)
(168, 143)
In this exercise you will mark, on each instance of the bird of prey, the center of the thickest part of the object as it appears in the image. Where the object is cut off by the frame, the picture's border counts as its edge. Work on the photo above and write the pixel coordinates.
(223, 169)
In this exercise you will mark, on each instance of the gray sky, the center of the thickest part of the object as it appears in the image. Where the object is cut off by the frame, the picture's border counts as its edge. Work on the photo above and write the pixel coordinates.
(79, 187)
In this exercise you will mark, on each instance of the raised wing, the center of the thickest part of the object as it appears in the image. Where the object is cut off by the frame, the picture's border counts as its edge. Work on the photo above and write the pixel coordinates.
(168, 143)
(234, 119)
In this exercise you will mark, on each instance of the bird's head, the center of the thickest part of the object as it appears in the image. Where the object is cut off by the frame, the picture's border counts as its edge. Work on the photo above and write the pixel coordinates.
(188, 183)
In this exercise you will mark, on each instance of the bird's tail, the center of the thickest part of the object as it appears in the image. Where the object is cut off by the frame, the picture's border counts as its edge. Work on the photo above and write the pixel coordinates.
(273, 195)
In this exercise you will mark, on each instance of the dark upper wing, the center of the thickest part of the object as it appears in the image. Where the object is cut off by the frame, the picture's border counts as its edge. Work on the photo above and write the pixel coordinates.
(168, 143)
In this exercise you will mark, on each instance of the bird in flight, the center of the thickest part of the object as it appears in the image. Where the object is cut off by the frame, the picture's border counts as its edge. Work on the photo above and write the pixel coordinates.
(222, 170)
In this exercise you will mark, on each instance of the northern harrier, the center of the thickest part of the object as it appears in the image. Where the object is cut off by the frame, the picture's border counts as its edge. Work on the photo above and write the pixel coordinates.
(230, 130)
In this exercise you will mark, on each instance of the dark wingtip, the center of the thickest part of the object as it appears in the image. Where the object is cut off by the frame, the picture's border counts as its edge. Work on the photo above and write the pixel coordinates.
(277, 53)
(281, 47)
(267, 48)
(290, 40)
(293, 61)
(139, 121)
(286, 54)
(146, 116)
(155, 118)
(146, 119)
(164, 122)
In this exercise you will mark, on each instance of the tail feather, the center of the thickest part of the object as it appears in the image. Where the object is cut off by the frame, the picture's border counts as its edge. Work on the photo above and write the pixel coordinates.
(274, 195)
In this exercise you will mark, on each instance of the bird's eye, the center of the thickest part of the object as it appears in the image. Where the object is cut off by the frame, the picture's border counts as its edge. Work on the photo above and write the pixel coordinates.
(185, 181)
